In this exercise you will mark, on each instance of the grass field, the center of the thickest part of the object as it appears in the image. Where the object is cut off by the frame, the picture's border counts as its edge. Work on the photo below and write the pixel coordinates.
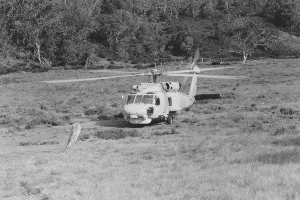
(243, 146)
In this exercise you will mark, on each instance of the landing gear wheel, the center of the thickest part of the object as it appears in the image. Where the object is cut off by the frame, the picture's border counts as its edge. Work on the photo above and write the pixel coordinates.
(170, 119)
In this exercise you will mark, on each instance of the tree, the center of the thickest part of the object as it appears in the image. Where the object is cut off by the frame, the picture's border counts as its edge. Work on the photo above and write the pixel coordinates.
(245, 34)
(187, 45)
(283, 13)
(27, 24)
(119, 27)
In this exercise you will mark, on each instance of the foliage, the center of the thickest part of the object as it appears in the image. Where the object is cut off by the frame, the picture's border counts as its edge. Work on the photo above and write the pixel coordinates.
(283, 13)
(166, 132)
(48, 118)
(72, 33)
(245, 34)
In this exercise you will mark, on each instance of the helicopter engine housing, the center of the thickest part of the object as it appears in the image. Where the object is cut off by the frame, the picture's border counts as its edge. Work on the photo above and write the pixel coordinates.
(174, 86)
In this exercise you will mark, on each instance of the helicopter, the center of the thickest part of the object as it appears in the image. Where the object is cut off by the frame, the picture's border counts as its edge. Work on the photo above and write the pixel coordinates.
(156, 100)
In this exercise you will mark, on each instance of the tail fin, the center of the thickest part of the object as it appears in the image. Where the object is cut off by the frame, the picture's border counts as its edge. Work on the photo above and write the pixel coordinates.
(193, 87)
(192, 65)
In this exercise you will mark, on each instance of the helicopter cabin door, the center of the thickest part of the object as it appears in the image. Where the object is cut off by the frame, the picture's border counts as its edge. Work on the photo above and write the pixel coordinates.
(173, 102)
(161, 102)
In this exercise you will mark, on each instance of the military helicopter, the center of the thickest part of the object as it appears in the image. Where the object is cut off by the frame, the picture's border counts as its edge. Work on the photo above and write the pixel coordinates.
(159, 100)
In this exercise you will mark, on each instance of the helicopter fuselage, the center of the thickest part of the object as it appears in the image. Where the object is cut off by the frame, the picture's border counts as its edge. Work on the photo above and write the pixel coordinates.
(155, 101)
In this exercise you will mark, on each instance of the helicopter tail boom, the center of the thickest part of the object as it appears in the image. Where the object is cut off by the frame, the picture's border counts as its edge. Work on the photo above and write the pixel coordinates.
(193, 87)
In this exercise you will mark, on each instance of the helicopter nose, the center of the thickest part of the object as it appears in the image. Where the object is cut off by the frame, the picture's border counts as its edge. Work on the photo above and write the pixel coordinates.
(135, 110)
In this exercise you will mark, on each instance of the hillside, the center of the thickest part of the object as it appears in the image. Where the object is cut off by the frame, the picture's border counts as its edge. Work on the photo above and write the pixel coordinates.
(205, 34)
(39, 35)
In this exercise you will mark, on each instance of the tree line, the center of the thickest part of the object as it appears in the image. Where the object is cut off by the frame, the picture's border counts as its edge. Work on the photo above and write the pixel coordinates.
(73, 32)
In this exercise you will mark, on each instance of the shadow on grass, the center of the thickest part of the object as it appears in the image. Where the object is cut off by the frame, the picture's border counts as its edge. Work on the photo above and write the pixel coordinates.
(116, 134)
(285, 156)
(287, 142)
(37, 143)
(121, 123)
(280, 158)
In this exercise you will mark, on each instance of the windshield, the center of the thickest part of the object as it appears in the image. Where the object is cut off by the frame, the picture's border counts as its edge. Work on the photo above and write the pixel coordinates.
(136, 99)
(130, 99)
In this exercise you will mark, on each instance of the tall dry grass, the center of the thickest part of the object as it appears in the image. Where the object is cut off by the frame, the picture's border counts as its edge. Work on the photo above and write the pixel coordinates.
(243, 146)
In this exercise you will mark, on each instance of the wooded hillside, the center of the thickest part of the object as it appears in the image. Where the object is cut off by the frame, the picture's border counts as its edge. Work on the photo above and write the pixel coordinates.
(40, 34)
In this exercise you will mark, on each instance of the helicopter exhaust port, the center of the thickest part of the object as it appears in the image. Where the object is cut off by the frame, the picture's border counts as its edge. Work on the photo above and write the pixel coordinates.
(174, 86)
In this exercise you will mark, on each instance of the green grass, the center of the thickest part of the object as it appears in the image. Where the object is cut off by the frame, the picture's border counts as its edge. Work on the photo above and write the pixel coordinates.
(115, 134)
(242, 146)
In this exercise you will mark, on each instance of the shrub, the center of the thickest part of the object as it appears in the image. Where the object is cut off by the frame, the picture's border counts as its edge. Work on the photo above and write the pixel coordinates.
(288, 111)
(167, 132)
(44, 106)
(256, 126)
(5, 119)
(236, 117)
(279, 158)
(104, 117)
(14, 120)
(120, 115)
(190, 120)
(93, 110)
(84, 136)
(289, 141)
(115, 134)
(115, 105)
(285, 129)
(49, 143)
(27, 143)
(48, 117)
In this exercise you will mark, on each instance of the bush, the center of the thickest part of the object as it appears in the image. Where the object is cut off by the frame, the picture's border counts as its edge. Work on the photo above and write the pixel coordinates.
(36, 143)
(288, 111)
(168, 132)
(120, 115)
(83, 137)
(93, 110)
(104, 117)
(285, 129)
(49, 143)
(236, 117)
(48, 117)
(27, 143)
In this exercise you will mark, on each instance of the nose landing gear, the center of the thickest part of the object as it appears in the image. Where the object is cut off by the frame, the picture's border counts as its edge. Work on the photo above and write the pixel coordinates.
(169, 119)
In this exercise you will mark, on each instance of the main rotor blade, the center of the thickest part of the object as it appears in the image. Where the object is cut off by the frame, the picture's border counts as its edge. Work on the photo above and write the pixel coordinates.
(216, 68)
(202, 69)
(110, 71)
(178, 72)
(89, 79)
(209, 76)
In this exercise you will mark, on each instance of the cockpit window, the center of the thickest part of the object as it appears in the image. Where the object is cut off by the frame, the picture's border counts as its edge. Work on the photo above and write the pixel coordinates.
(130, 99)
(148, 99)
(136, 99)
(157, 100)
